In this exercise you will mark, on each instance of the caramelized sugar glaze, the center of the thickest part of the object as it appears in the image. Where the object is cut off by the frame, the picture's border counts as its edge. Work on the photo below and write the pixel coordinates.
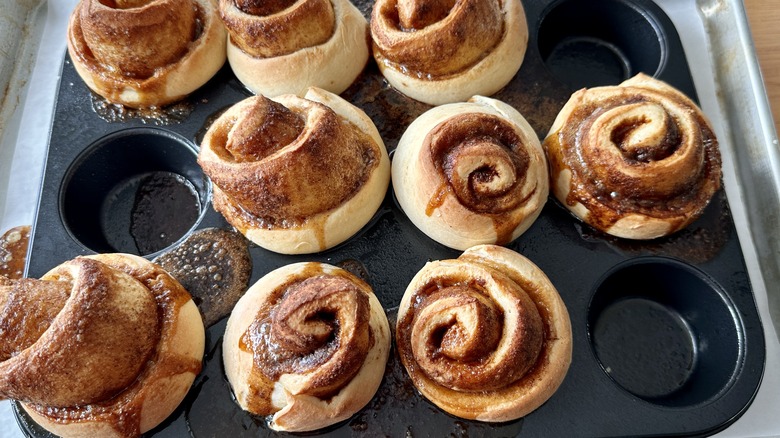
(13, 251)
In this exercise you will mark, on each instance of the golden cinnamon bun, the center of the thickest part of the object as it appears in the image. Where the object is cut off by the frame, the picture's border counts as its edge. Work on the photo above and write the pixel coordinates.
(146, 53)
(307, 343)
(485, 336)
(471, 173)
(443, 51)
(638, 160)
(296, 175)
(286, 46)
(105, 345)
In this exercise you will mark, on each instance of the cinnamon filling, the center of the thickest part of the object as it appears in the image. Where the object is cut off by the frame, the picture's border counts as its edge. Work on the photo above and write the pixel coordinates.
(482, 159)
(460, 335)
(316, 326)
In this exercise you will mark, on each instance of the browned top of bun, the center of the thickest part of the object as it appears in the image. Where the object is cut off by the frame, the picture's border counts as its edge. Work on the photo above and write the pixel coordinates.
(80, 339)
(485, 336)
(638, 148)
(135, 38)
(274, 28)
(284, 164)
(86, 341)
(436, 38)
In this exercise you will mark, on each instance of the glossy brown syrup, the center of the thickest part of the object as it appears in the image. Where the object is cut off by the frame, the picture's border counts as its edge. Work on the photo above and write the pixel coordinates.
(214, 265)
(13, 251)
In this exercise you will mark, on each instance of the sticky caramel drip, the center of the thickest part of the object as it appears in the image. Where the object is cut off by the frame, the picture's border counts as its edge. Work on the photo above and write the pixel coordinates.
(317, 328)
(632, 149)
(457, 334)
(13, 251)
(436, 38)
(277, 28)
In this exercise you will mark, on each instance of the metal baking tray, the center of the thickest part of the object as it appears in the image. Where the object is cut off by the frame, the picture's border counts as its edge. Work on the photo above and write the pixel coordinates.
(704, 370)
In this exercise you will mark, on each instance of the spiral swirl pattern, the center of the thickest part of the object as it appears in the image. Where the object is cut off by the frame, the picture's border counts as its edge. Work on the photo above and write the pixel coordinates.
(146, 53)
(308, 343)
(285, 46)
(638, 160)
(296, 175)
(435, 50)
(88, 346)
(485, 336)
(471, 173)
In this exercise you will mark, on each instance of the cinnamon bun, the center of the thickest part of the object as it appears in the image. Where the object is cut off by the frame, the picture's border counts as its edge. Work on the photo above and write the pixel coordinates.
(308, 344)
(485, 336)
(638, 161)
(442, 51)
(285, 47)
(106, 345)
(471, 173)
(146, 53)
(296, 175)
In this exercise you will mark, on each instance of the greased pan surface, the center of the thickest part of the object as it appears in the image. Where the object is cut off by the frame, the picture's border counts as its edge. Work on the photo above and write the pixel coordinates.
(667, 339)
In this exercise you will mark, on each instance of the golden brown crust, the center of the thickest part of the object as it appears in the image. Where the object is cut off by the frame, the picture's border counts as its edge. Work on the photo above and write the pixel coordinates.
(308, 344)
(471, 173)
(287, 46)
(485, 336)
(638, 160)
(441, 51)
(113, 344)
(296, 175)
(146, 53)
(265, 29)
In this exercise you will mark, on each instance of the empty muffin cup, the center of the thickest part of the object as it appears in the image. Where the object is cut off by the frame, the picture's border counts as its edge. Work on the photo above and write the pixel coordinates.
(136, 191)
(588, 44)
(665, 332)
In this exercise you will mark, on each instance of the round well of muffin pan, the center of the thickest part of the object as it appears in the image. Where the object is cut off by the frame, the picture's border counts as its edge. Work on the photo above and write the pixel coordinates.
(588, 44)
(665, 332)
(669, 346)
(136, 191)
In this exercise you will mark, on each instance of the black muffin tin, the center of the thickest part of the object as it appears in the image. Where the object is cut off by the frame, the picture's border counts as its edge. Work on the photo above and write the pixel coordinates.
(666, 334)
